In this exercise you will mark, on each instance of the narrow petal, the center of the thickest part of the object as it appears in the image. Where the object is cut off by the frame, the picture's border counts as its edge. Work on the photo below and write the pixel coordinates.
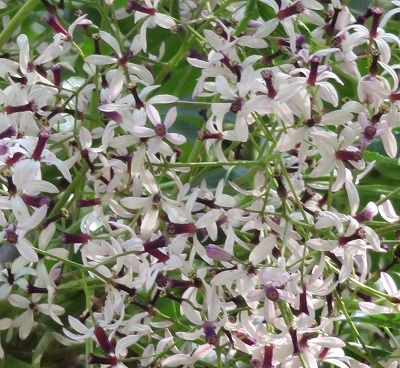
(164, 21)
(34, 220)
(170, 117)
(153, 115)
(26, 250)
(100, 60)
(111, 40)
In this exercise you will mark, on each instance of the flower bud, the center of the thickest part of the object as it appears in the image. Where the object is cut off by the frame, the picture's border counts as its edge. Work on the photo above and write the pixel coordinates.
(218, 254)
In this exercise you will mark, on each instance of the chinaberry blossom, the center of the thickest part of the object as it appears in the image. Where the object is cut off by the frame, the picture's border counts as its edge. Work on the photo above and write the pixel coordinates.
(159, 132)
(148, 14)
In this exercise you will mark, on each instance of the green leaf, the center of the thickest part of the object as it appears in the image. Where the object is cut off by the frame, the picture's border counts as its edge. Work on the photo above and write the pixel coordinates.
(250, 12)
(40, 349)
(354, 348)
(390, 320)
(386, 166)
(23, 13)
(265, 11)
(174, 8)
(10, 361)
(359, 6)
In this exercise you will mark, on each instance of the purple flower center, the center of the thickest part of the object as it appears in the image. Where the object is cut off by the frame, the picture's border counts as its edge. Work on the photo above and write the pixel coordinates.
(271, 293)
(12, 236)
(370, 132)
(236, 105)
(160, 130)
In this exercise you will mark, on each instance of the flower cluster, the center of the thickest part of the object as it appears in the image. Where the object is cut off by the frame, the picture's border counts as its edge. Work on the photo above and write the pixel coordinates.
(216, 199)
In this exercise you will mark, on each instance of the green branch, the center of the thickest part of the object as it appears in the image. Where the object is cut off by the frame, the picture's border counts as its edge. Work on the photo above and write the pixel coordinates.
(207, 164)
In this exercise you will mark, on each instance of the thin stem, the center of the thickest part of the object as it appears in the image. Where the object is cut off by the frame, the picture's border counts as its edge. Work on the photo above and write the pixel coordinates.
(349, 320)
(387, 196)
(67, 193)
(71, 263)
(206, 164)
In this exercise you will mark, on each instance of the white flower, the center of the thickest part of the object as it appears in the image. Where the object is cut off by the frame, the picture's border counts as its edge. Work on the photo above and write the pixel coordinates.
(387, 211)
(286, 12)
(186, 360)
(25, 321)
(151, 17)
(15, 234)
(380, 38)
(117, 77)
(334, 152)
(14, 275)
(159, 132)
(315, 76)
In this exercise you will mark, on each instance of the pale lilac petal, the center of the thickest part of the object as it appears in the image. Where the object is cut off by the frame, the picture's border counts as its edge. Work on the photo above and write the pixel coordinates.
(143, 132)
(77, 325)
(100, 60)
(34, 220)
(170, 117)
(164, 21)
(153, 115)
(191, 314)
(389, 143)
(135, 203)
(162, 99)
(266, 28)
(38, 186)
(149, 221)
(26, 250)
(224, 277)
(347, 267)
(322, 244)
(201, 352)
(18, 301)
(176, 138)
(338, 117)
(116, 84)
(26, 322)
(352, 193)
(111, 40)
(122, 344)
(190, 335)
(372, 308)
(19, 209)
(175, 360)
(289, 139)
(217, 253)
(261, 251)
(388, 283)
(241, 129)
(387, 211)
(23, 44)
(223, 87)
(327, 342)
(328, 93)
